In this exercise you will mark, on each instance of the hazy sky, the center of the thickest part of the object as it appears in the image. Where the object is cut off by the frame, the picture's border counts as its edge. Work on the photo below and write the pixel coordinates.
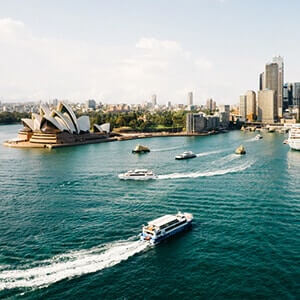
(126, 50)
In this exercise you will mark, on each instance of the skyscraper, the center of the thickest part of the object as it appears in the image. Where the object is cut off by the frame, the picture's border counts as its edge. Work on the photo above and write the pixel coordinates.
(243, 106)
(271, 82)
(153, 100)
(296, 94)
(266, 106)
(190, 98)
(279, 61)
(261, 81)
(251, 105)
(287, 95)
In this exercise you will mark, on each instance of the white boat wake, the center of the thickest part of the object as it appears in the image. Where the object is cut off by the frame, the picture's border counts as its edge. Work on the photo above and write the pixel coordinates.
(209, 153)
(206, 174)
(69, 265)
(227, 159)
(167, 149)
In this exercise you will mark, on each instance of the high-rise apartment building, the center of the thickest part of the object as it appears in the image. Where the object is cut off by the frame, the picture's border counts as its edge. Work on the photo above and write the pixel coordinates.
(261, 81)
(279, 61)
(91, 104)
(251, 106)
(287, 95)
(243, 106)
(195, 122)
(211, 105)
(190, 98)
(266, 106)
(296, 94)
(153, 100)
(271, 82)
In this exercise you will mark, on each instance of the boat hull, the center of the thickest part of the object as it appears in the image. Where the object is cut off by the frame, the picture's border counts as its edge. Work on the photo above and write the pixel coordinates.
(140, 151)
(123, 177)
(181, 158)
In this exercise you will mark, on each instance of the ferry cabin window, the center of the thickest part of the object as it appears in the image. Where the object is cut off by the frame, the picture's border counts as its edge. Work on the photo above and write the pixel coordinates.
(169, 224)
(171, 227)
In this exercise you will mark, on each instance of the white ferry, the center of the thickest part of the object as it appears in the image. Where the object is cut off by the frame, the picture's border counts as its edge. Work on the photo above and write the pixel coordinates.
(138, 174)
(186, 155)
(165, 227)
(294, 137)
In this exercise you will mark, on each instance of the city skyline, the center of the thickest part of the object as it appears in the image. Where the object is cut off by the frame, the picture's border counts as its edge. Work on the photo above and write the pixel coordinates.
(63, 50)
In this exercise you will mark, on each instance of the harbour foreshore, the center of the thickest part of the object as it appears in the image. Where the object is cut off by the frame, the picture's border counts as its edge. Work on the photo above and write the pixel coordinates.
(121, 137)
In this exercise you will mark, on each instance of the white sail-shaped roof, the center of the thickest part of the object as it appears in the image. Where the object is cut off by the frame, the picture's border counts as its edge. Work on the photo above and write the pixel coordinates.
(28, 123)
(84, 123)
(66, 109)
(66, 120)
(53, 121)
(102, 128)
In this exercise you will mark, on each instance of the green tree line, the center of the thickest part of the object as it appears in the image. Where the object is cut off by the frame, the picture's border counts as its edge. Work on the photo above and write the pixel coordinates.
(12, 117)
(141, 121)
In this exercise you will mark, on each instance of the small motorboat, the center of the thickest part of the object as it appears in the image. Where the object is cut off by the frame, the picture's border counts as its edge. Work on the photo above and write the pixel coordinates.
(258, 137)
(240, 150)
(140, 149)
(138, 174)
(186, 155)
(286, 142)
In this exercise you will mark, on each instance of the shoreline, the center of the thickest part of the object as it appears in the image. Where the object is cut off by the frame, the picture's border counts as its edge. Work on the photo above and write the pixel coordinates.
(123, 137)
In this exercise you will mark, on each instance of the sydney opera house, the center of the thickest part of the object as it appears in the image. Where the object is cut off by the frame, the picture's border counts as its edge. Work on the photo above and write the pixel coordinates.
(58, 127)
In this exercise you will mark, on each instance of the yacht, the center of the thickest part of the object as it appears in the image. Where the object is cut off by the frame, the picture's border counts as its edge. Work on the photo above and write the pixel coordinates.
(258, 137)
(186, 155)
(138, 174)
(166, 226)
(294, 137)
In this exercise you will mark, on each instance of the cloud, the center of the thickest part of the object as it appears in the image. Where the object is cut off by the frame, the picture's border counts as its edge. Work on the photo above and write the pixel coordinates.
(43, 68)
(203, 63)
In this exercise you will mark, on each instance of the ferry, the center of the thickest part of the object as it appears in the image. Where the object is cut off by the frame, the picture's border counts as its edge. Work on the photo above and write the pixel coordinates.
(138, 174)
(166, 226)
(294, 137)
(186, 155)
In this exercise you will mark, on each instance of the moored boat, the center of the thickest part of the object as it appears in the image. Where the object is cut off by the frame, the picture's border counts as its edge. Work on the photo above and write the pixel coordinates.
(140, 149)
(138, 174)
(186, 155)
(294, 137)
(166, 226)
(240, 150)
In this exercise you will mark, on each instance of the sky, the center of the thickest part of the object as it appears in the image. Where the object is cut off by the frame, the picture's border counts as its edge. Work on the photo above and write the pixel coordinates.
(121, 51)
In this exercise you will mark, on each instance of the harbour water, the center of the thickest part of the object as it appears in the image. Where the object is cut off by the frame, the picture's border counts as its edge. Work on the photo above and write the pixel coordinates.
(69, 227)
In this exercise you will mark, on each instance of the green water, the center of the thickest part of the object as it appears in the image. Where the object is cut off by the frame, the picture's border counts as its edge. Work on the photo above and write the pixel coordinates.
(69, 227)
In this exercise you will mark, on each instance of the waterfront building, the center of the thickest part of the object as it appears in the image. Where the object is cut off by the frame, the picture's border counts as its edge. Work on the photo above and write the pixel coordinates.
(57, 126)
(266, 106)
(271, 82)
(243, 107)
(279, 61)
(199, 122)
(251, 106)
(190, 98)
(153, 100)
(195, 122)
(224, 115)
(212, 122)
